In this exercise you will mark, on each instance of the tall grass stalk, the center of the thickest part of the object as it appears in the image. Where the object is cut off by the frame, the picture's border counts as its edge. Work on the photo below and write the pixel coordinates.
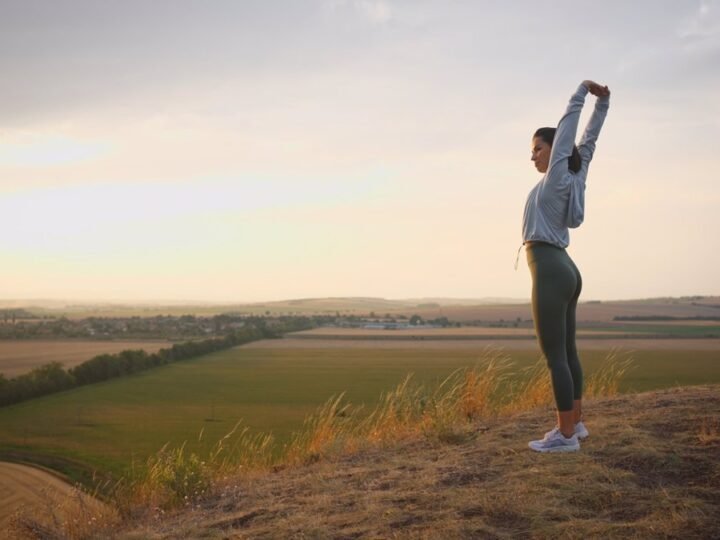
(323, 432)
(605, 381)
(175, 476)
(530, 389)
(396, 415)
(709, 432)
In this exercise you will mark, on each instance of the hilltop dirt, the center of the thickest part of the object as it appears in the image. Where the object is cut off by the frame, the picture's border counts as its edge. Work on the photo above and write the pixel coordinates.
(650, 469)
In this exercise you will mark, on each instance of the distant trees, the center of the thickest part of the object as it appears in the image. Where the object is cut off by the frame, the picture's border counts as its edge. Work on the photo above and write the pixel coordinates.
(651, 318)
(109, 366)
(51, 378)
(40, 381)
(440, 321)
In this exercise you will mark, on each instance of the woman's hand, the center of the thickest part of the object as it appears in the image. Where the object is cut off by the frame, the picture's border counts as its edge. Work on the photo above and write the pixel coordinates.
(597, 90)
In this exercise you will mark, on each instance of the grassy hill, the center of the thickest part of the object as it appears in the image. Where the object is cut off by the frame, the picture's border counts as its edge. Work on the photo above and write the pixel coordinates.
(108, 426)
(650, 469)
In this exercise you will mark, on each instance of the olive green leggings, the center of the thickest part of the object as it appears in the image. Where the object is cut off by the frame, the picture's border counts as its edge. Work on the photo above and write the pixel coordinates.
(556, 289)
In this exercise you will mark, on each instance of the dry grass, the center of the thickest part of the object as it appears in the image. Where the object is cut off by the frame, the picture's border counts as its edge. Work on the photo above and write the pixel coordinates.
(176, 476)
(450, 459)
(643, 473)
(447, 413)
(709, 433)
(606, 381)
(38, 504)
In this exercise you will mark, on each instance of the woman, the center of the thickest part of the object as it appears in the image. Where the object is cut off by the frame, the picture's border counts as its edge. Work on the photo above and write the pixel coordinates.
(554, 204)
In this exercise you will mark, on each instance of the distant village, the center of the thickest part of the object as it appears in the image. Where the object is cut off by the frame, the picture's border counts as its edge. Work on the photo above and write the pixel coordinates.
(22, 324)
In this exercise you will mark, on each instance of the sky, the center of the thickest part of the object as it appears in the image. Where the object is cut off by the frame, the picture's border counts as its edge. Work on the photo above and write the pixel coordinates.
(232, 151)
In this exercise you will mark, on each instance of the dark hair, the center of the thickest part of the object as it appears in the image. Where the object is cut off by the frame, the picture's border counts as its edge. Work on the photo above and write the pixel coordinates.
(547, 134)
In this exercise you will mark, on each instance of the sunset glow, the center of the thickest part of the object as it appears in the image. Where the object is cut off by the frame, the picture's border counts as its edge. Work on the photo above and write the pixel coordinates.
(240, 151)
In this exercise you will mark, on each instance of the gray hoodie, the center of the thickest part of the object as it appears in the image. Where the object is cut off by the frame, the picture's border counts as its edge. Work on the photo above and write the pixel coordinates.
(558, 200)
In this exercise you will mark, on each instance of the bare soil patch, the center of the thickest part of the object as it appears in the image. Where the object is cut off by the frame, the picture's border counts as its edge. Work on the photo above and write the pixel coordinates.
(18, 357)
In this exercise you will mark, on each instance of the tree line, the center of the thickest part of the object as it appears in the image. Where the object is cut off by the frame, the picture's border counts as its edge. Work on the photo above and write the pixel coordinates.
(650, 318)
(52, 377)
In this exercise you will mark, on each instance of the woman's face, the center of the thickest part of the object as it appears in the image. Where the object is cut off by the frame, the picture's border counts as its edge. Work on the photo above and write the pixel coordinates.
(540, 154)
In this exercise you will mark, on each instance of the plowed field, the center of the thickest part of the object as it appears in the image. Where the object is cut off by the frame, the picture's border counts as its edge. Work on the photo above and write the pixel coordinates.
(29, 493)
(18, 357)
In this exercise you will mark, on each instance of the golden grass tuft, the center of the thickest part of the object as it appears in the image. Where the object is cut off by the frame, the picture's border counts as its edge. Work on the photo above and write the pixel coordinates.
(175, 476)
(394, 418)
(325, 431)
(709, 432)
(605, 382)
(530, 390)
(77, 516)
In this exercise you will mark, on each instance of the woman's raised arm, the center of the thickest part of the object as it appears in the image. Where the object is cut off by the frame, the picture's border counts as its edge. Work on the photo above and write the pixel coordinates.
(567, 131)
(586, 146)
(565, 138)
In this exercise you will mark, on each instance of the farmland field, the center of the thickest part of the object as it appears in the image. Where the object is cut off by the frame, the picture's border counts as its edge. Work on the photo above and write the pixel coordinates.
(598, 331)
(624, 342)
(20, 356)
(272, 389)
(36, 493)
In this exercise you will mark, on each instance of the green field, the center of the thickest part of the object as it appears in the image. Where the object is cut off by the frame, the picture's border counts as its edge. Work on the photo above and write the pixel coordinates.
(670, 330)
(109, 425)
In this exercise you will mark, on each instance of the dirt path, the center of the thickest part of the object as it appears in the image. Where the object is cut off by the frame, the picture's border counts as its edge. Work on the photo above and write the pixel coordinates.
(29, 492)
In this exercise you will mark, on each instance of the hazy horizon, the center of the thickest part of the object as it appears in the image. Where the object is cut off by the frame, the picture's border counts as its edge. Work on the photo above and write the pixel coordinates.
(233, 152)
(6, 303)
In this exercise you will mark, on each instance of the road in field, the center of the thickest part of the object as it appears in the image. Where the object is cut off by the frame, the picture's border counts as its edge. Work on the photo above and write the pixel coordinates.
(408, 333)
(26, 491)
(21, 356)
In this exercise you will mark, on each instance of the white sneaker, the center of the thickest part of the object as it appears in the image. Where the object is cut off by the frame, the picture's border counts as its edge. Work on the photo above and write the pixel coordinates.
(554, 441)
(580, 430)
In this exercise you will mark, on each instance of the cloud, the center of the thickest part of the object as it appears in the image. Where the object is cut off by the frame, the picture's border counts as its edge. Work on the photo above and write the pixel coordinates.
(701, 31)
(376, 11)
(43, 150)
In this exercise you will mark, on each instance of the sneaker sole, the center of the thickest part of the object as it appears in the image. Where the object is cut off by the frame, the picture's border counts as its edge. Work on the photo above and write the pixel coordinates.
(555, 449)
(581, 435)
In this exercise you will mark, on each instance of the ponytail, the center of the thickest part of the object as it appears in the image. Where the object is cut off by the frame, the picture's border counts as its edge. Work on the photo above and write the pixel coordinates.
(547, 134)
